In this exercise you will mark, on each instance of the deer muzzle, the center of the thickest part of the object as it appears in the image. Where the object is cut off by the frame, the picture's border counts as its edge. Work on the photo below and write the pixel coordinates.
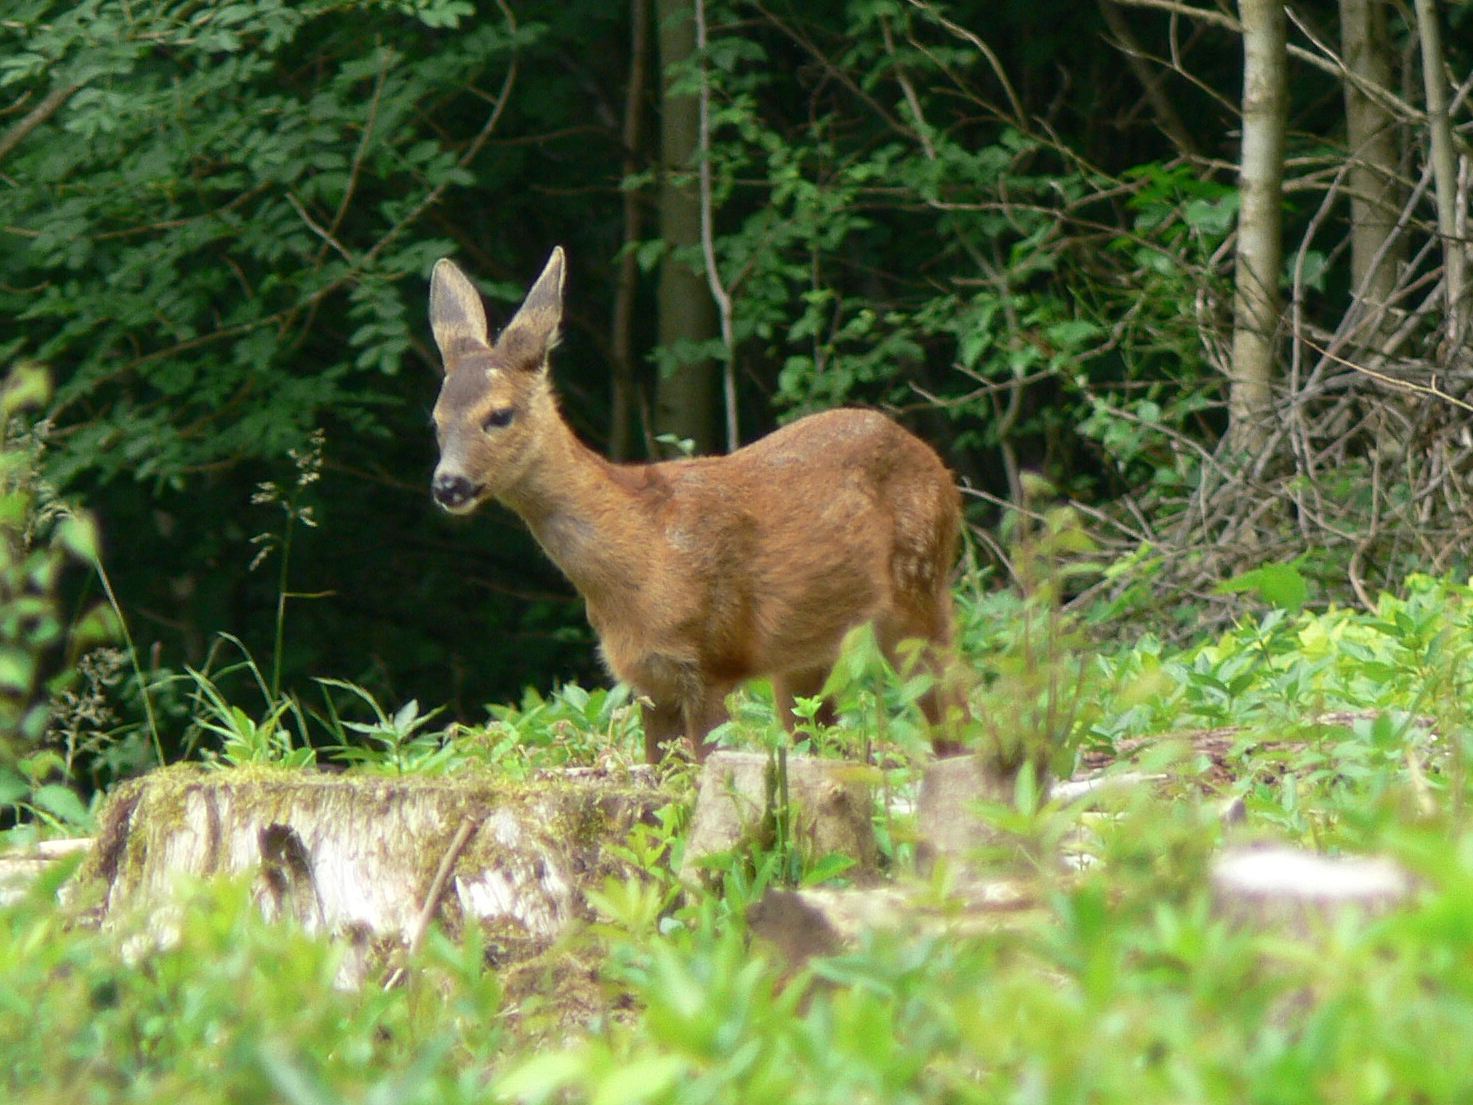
(454, 492)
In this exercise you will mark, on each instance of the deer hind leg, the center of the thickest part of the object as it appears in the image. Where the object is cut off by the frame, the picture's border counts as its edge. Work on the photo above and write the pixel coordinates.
(693, 719)
(682, 702)
(928, 629)
(945, 704)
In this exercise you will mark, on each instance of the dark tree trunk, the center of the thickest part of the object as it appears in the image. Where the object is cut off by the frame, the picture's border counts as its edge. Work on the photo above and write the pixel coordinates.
(686, 398)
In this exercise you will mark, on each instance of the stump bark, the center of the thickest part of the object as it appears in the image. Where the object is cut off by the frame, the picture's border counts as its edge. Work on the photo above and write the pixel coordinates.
(949, 824)
(829, 809)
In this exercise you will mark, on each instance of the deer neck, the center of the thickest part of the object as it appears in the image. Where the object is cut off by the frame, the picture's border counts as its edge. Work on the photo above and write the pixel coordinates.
(589, 524)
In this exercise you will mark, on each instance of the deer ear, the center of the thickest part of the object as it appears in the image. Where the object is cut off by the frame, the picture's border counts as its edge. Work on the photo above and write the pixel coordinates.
(533, 330)
(457, 316)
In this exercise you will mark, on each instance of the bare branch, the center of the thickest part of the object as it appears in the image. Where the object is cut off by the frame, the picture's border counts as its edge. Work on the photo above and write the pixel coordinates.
(1135, 57)
(907, 89)
(1432, 390)
(982, 48)
(433, 895)
(35, 117)
(1327, 61)
(358, 154)
(318, 229)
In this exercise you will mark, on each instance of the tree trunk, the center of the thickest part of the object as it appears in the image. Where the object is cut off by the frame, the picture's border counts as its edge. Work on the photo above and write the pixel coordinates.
(1376, 253)
(719, 295)
(1268, 887)
(799, 925)
(1256, 304)
(1444, 174)
(623, 394)
(685, 397)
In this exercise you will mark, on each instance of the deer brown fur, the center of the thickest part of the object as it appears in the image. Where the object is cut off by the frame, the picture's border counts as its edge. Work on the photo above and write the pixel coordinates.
(701, 573)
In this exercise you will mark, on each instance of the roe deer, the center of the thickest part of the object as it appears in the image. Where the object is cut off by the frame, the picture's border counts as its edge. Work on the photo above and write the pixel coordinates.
(698, 573)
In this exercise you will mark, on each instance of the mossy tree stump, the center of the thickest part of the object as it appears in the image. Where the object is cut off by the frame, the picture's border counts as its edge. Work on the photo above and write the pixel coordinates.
(371, 860)
(826, 806)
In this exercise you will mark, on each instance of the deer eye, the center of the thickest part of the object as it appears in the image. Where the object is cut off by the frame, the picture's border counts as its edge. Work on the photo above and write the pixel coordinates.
(501, 416)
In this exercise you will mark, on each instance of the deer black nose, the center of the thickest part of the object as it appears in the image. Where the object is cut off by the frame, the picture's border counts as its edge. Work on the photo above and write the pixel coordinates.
(452, 491)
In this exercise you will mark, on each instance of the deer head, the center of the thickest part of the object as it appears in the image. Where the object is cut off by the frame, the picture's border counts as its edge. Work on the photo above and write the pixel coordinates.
(496, 399)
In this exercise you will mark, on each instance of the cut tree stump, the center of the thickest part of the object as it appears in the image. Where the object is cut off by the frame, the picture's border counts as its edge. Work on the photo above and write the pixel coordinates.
(830, 803)
(1278, 887)
(370, 860)
(801, 924)
(21, 868)
(947, 820)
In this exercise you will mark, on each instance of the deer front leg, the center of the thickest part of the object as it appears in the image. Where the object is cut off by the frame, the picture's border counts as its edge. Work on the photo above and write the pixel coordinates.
(704, 712)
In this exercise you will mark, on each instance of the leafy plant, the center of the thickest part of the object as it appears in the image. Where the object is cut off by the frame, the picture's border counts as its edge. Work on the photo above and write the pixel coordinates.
(572, 725)
(397, 745)
(235, 1007)
(36, 790)
(1123, 978)
(246, 737)
(40, 538)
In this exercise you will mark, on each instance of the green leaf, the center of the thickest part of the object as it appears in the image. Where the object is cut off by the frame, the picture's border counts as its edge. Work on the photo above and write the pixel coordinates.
(542, 1076)
(829, 867)
(97, 626)
(1280, 585)
(62, 802)
(12, 787)
(639, 1080)
(46, 762)
(17, 669)
(27, 386)
(405, 718)
(78, 535)
(647, 255)
(1213, 217)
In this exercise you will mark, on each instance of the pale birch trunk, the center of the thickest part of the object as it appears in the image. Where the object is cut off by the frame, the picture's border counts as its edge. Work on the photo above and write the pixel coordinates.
(1444, 173)
(1256, 302)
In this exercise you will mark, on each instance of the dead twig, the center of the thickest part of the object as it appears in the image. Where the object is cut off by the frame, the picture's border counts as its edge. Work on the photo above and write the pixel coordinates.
(433, 895)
